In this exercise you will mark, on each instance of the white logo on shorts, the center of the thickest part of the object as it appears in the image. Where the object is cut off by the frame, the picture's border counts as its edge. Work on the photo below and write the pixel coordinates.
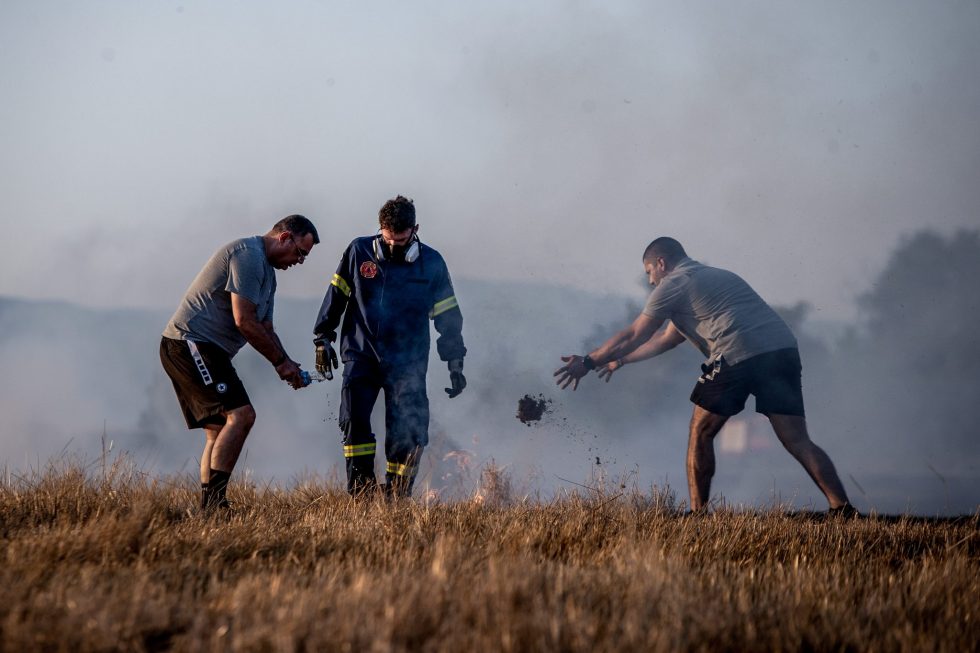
(711, 368)
(221, 388)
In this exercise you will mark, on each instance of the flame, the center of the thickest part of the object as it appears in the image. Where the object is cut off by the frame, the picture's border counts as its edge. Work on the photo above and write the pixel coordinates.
(462, 458)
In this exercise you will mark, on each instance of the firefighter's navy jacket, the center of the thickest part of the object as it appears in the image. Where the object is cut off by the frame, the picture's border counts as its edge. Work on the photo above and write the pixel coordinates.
(387, 306)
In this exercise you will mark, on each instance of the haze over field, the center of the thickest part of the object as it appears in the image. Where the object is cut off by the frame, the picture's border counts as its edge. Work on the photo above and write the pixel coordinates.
(884, 401)
(545, 144)
(795, 144)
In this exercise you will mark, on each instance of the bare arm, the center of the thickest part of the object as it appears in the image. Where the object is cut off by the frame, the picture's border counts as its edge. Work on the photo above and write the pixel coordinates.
(627, 340)
(663, 340)
(270, 330)
(264, 339)
(254, 331)
(621, 344)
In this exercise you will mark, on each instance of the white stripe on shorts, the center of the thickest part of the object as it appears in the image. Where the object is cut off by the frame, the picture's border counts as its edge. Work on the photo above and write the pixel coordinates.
(199, 361)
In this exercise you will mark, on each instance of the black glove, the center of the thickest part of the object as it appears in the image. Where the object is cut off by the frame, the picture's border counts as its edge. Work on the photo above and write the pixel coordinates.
(326, 358)
(456, 378)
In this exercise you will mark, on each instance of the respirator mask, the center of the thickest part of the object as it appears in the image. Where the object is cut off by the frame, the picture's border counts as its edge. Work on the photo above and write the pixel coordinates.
(407, 253)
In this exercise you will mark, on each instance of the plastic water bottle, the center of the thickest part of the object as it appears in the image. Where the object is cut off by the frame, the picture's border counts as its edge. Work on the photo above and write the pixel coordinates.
(311, 377)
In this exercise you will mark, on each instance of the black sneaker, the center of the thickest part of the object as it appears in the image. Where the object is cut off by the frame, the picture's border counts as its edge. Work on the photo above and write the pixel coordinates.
(218, 507)
(844, 511)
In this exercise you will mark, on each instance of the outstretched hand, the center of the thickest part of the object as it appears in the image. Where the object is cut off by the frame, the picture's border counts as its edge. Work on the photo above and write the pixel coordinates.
(606, 371)
(571, 372)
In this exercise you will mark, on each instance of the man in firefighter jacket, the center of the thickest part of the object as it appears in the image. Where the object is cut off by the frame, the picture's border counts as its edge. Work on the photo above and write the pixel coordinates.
(387, 288)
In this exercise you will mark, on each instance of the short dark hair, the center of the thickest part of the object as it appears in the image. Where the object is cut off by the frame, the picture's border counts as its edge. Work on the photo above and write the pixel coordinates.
(297, 225)
(664, 247)
(397, 214)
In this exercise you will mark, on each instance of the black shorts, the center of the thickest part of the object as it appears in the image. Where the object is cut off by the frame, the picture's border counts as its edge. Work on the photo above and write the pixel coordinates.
(207, 386)
(775, 378)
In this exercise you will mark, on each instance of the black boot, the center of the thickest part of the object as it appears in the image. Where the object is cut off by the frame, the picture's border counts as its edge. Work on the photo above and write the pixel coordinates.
(359, 460)
(361, 485)
(399, 480)
(214, 496)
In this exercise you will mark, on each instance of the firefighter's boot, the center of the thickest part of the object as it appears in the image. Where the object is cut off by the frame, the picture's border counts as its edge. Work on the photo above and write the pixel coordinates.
(359, 458)
(400, 476)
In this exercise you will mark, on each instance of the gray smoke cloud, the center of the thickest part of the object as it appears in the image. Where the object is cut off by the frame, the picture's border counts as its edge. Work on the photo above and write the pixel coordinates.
(544, 145)
(882, 399)
(798, 139)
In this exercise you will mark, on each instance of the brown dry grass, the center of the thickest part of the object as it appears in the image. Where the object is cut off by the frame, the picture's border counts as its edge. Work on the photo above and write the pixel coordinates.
(106, 559)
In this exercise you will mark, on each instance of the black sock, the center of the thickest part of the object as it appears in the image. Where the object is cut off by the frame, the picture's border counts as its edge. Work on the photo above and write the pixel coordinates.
(218, 484)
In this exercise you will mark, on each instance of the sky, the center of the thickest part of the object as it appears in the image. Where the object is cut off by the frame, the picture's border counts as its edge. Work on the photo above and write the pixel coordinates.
(794, 143)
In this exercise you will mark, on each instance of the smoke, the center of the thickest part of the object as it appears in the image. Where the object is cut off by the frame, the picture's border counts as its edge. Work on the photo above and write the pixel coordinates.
(885, 400)
(135, 138)
(544, 144)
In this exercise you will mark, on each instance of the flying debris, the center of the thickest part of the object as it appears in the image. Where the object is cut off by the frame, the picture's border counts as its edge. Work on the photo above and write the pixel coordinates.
(532, 409)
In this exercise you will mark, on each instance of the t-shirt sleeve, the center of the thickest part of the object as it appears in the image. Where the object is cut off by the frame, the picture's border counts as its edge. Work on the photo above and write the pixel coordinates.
(245, 274)
(663, 300)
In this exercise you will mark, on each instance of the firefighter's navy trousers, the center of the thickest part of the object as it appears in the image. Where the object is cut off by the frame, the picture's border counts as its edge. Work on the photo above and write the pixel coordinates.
(406, 423)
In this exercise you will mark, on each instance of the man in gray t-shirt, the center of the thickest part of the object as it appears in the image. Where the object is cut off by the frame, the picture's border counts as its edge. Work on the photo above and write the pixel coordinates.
(718, 312)
(229, 303)
(749, 350)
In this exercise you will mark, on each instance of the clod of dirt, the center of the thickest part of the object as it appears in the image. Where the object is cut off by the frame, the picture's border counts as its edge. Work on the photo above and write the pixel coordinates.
(532, 409)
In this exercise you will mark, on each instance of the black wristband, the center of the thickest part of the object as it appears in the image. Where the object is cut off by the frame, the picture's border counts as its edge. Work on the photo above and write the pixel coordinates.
(588, 363)
(282, 359)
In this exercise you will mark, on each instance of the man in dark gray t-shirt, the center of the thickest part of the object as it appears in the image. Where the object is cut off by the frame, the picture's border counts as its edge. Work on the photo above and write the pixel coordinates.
(749, 350)
(229, 303)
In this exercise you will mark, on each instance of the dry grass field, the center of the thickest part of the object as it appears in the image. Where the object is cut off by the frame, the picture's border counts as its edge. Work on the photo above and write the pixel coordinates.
(103, 558)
